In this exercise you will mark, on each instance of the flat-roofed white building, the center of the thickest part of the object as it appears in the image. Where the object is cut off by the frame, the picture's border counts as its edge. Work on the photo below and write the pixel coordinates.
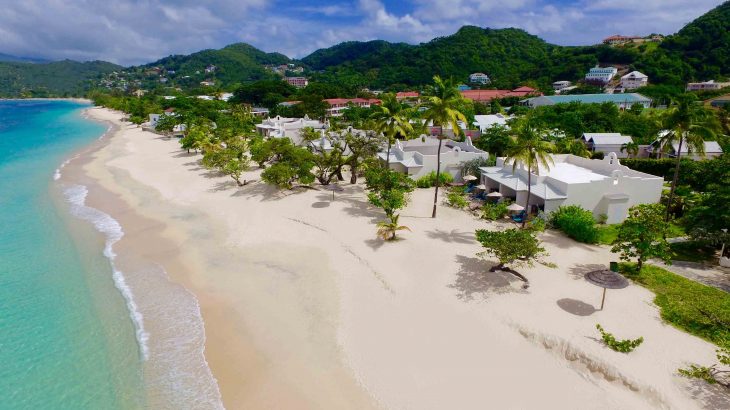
(606, 142)
(634, 80)
(601, 75)
(282, 127)
(604, 187)
(484, 122)
(560, 85)
(479, 78)
(417, 157)
(707, 85)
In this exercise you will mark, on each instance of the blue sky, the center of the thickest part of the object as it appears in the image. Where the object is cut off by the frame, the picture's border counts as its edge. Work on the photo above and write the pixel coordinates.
(140, 31)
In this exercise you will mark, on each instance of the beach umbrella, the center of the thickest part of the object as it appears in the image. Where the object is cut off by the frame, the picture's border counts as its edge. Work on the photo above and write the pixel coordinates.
(515, 207)
(334, 188)
(482, 187)
(470, 178)
(494, 194)
(606, 279)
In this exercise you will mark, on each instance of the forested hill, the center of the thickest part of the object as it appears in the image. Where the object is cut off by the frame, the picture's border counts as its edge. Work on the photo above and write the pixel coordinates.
(236, 63)
(55, 79)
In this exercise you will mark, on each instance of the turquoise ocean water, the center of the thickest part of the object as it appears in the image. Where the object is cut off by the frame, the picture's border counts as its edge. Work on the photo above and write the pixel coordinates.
(67, 340)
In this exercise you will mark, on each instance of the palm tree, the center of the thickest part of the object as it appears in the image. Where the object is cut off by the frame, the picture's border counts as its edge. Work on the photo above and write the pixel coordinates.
(529, 149)
(390, 118)
(387, 230)
(442, 102)
(568, 145)
(631, 148)
(687, 123)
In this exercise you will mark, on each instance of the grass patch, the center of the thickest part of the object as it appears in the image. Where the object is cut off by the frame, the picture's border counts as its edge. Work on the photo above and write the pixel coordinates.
(608, 233)
(691, 251)
(697, 309)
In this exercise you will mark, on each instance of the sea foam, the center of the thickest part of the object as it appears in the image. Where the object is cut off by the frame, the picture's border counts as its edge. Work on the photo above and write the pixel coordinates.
(104, 223)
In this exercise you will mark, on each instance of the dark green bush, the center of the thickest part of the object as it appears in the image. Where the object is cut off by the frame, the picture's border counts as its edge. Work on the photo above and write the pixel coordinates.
(429, 180)
(576, 222)
(493, 212)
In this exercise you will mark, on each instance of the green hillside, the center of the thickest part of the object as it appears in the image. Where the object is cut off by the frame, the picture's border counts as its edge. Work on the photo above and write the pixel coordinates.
(58, 78)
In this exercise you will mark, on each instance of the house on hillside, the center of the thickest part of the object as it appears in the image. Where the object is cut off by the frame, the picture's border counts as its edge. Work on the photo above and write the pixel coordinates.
(561, 85)
(606, 142)
(486, 96)
(337, 105)
(604, 187)
(618, 39)
(417, 157)
(623, 101)
(479, 78)
(634, 80)
(600, 75)
(298, 82)
(707, 86)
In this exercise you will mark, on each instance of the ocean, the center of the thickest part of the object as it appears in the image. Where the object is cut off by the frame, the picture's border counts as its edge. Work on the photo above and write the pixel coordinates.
(69, 334)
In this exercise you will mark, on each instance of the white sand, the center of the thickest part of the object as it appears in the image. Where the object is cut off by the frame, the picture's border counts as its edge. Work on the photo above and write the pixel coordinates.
(305, 308)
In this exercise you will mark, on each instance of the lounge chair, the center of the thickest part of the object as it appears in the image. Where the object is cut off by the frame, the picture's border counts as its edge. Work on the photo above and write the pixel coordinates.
(520, 217)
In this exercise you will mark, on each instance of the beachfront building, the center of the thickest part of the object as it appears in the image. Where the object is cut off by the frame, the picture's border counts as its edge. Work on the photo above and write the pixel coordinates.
(604, 187)
(634, 80)
(623, 101)
(600, 75)
(298, 82)
(561, 85)
(484, 122)
(707, 86)
(282, 127)
(337, 105)
(606, 142)
(479, 78)
(417, 157)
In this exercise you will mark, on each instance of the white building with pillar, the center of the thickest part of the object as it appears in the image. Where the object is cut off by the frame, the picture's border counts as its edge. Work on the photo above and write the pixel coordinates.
(604, 187)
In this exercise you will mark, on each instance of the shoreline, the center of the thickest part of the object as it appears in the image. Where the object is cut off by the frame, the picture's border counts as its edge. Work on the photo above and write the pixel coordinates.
(303, 308)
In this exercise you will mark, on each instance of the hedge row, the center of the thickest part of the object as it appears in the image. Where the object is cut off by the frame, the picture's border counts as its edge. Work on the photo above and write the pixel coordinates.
(696, 174)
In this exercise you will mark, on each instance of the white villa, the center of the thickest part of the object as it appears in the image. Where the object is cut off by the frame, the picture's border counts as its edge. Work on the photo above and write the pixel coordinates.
(417, 157)
(561, 85)
(604, 187)
(601, 75)
(707, 85)
(479, 78)
(282, 127)
(606, 142)
(634, 80)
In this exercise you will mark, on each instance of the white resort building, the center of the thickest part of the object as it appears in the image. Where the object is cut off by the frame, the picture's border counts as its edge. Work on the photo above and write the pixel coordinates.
(606, 142)
(604, 187)
(707, 85)
(479, 78)
(282, 127)
(484, 122)
(600, 75)
(417, 157)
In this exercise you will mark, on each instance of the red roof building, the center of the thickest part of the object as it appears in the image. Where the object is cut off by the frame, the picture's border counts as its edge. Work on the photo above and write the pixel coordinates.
(403, 95)
(486, 96)
(337, 105)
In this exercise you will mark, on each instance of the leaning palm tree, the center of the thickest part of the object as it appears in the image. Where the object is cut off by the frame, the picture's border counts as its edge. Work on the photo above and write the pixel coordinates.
(631, 149)
(387, 230)
(442, 102)
(390, 118)
(531, 150)
(690, 123)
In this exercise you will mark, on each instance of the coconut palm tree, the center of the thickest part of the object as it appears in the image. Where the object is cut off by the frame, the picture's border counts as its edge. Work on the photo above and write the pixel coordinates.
(387, 230)
(690, 123)
(568, 145)
(631, 149)
(529, 149)
(390, 118)
(442, 102)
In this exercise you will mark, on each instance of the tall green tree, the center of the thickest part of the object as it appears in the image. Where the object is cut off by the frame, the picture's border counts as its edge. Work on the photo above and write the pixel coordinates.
(531, 150)
(687, 123)
(631, 149)
(442, 101)
(388, 189)
(391, 118)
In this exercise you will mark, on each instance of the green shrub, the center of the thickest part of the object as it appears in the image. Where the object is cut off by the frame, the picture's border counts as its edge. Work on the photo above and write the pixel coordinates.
(623, 346)
(493, 212)
(537, 224)
(429, 180)
(456, 199)
(576, 222)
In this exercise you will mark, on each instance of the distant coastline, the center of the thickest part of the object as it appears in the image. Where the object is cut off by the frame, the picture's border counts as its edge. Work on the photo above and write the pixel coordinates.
(72, 99)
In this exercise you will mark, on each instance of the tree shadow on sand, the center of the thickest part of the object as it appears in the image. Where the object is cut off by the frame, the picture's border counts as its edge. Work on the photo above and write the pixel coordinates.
(454, 236)
(475, 280)
(578, 271)
(711, 396)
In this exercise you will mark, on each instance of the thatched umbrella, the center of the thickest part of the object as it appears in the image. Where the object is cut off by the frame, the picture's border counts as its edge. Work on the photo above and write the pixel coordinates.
(515, 207)
(494, 194)
(606, 279)
(334, 188)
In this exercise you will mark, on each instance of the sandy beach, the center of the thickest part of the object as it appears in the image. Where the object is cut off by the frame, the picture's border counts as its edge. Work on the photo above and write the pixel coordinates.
(303, 307)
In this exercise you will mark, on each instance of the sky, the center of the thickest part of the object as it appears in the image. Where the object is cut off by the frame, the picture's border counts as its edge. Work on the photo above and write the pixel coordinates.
(131, 32)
